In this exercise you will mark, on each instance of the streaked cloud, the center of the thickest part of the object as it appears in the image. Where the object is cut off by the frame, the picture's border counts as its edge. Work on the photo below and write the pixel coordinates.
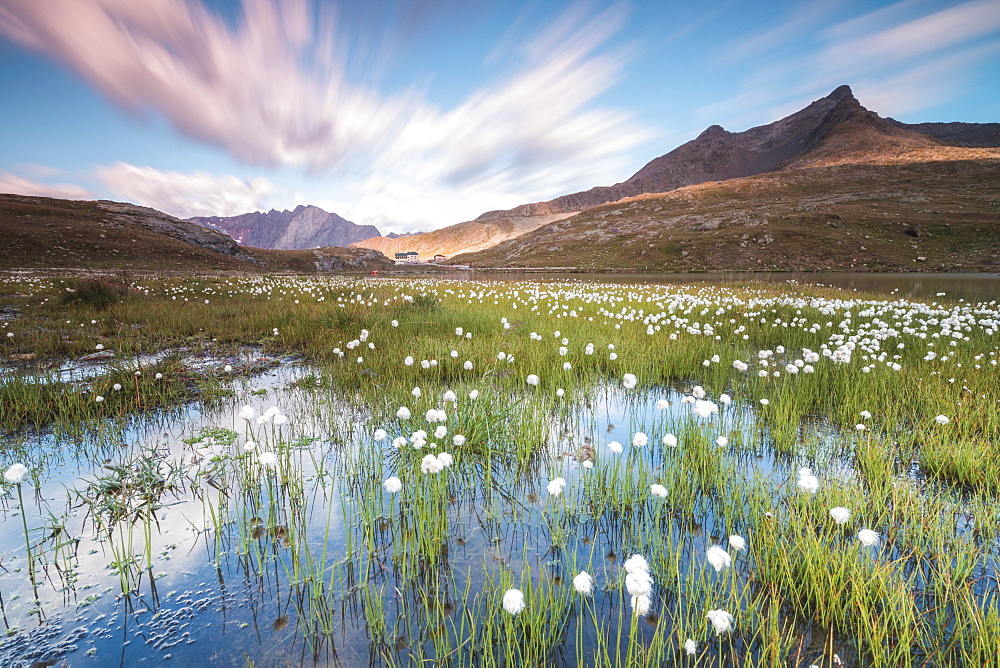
(912, 39)
(899, 59)
(185, 195)
(19, 185)
(273, 89)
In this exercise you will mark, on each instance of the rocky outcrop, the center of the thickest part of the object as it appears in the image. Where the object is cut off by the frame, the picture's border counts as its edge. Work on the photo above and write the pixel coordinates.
(345, 259)
(302, 228)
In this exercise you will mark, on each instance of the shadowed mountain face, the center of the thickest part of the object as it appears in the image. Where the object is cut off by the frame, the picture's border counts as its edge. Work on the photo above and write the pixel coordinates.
(836, 126)
(834, 130)
(925, 209)
(301, 228)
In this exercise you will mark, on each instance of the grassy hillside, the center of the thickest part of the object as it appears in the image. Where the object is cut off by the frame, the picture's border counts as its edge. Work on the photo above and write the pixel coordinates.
(40, 232)
(941, 204)
(470, 236)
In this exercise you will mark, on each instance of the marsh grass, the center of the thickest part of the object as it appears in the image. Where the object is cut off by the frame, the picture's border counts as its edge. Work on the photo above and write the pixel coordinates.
(418, 576)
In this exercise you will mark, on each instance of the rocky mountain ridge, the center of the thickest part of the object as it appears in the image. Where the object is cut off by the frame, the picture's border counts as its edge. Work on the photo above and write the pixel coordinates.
(935, 208)
(302, 228)
(832, 130)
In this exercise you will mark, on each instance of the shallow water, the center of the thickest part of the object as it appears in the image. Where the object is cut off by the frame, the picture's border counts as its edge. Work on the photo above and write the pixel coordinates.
(230, 591)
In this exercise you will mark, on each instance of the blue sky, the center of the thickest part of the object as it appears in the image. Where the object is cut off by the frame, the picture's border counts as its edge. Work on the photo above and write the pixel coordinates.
(417, 114)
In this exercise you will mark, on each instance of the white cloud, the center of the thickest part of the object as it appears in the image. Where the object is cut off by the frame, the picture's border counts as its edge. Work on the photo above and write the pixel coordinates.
(18, 185)
(185, 195)
(273, 90)
(898, 59)
(912, 39)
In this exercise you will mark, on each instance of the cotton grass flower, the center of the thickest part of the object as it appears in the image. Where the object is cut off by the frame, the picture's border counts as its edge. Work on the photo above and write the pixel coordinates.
(722, 442)
(721, 621)
(629, 381)
(393, 484)
(431, 464)
(867, 537)
(268, 459)
(641, 604)
(380, 434)
(403, 413)
(807, 482)
(703, 408)
(737, 542)
(718, 558)
(556, 486)
(639, 583)
(615, 447)
(513, 601)
(942, 419)
(658, 491)
(670, 441)
(690, 647)
(98, 398)
(532, 380)
(15, 474)
(662, 405)
(840, 515)
(640, 439)
(636, 564)
(584, 583)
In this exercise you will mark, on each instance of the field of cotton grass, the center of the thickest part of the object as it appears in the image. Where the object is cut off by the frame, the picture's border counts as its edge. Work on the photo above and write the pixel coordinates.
(348, 471)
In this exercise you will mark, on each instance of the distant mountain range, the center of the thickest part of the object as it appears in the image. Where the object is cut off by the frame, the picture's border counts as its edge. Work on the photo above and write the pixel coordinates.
(835, 129)
(301, 228)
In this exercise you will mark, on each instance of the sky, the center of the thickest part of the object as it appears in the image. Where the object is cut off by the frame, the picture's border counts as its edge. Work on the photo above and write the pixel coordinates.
(417, 114)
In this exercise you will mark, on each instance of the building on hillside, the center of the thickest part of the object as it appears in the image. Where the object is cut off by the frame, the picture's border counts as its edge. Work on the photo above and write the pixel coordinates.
(439, 258)
(407, 257)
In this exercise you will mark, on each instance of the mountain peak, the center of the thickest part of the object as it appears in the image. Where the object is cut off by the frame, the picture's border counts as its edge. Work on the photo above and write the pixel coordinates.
(712, 131)
(304, 227)
(841, 93)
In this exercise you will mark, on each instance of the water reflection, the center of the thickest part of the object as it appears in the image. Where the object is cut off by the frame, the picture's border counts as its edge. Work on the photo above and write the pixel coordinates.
(323, 568)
